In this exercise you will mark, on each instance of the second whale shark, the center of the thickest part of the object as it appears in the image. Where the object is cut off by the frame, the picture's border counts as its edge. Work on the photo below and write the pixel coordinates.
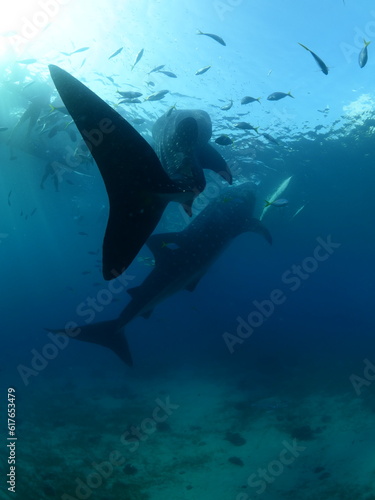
(181, 260)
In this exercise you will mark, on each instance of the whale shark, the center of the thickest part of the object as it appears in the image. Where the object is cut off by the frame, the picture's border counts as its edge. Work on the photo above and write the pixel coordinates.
(181, 142)
(137, 185)
(181, 260)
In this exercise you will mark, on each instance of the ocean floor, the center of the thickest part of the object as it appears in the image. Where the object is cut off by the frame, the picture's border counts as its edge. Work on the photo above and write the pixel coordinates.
(190, 434)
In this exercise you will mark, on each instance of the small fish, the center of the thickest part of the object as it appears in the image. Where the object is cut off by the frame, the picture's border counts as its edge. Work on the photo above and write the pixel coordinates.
(363, 55)
(227, 199)
(214, 37)
(86, 272)
(224, 140)
(150, 84)
(171, 246)
(319, 62)
(72, 134)
(158, 68)
(33, 212)
(82, 49)
(276, 96)
(247, 99)
(157, 95)
(116, 53)
(61, 109)
(129, 94)
(82, 233)
(227, 106)
(71, 183)
(147, 261)
(202, 70)
(281, 202)
(29, 85)
(53, 131)
(325, 110)
(168, 73)
(170, 110)
(298, 211)
(9, 195)
(138, 58)
(3, 129)
(83, 62)
(245, 126)
(97, 284)
(27, 61)
(134, 100)
(270, 138)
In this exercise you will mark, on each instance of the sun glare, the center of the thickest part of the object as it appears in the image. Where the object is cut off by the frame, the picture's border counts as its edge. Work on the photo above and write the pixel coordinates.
(22, 21)
(364, 104)
(11, 14)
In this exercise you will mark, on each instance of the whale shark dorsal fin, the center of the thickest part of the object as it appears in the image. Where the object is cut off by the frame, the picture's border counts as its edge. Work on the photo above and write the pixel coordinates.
(132, 173)
(257, 227)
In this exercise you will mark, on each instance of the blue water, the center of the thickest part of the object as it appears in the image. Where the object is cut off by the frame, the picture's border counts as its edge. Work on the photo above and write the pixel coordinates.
(314, 350)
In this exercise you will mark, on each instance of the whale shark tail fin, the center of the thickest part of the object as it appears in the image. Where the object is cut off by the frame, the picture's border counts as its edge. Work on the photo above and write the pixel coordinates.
(257, 227)
(134, 178)
(106, 334)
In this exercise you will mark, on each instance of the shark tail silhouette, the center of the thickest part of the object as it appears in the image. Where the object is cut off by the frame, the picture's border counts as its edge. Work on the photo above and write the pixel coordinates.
(106, 333)
(138, 188)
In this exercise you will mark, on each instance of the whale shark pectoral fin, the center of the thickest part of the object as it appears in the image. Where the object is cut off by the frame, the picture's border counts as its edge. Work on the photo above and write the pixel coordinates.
(211, 159)
(131, 171)
(257, 227)
(106, 334)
